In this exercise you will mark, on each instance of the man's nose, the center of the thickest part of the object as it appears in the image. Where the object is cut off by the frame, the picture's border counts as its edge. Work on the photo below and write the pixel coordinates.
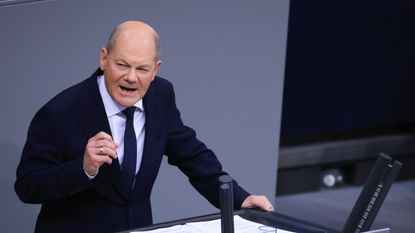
(131, 76)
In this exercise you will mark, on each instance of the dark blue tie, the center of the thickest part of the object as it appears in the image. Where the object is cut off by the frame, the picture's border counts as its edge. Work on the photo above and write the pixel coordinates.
(130, 152)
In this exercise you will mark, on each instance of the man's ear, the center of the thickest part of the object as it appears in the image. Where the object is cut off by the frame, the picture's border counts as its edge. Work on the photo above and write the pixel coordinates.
(103, 59)
(158, 64)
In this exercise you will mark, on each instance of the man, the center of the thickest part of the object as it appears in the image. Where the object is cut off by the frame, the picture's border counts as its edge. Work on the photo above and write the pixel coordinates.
(78, 152)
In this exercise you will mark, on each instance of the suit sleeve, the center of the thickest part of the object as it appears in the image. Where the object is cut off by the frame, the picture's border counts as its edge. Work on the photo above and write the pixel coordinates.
(195, 160)
(44, 174)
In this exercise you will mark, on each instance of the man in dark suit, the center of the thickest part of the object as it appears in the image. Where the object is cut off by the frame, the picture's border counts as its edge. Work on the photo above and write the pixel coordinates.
(78, 152)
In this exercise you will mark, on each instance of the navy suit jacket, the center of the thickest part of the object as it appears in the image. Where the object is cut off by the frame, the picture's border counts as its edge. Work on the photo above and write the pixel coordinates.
(51, 168)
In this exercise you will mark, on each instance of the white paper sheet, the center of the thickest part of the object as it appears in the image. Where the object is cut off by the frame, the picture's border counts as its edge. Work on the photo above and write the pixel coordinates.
(213, 226)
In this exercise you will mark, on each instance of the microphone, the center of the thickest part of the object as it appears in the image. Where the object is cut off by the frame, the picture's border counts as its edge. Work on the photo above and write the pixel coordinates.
(226, 204)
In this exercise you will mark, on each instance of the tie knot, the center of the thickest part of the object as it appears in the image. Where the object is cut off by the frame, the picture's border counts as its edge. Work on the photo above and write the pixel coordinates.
(129, 112)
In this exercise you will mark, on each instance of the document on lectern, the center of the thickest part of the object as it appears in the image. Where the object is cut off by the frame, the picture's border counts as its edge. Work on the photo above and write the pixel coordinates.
(214, 226)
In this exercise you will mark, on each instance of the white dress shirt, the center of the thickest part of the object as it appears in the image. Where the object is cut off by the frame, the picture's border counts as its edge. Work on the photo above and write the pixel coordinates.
(117, 121)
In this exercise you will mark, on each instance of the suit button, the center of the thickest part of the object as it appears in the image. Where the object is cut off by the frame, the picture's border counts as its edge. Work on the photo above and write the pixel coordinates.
(130, 208)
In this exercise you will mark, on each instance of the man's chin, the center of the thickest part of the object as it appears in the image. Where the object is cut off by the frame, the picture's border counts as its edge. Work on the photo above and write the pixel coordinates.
(127, 102)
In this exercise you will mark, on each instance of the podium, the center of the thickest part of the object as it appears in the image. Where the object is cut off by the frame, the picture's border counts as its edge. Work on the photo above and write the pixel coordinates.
(365, 210)
(274, 219)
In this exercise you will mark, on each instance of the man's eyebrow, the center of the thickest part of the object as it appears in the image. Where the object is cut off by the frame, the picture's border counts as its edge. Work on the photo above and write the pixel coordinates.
(121, 60)
(145, 66)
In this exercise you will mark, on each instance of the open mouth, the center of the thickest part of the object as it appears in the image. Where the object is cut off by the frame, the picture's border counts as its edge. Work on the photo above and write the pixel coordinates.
(128, 89)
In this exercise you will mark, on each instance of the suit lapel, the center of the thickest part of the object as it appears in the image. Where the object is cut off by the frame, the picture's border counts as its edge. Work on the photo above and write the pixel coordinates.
(93, 119)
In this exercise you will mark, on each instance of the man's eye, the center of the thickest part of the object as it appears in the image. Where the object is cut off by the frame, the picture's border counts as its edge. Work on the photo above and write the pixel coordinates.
(119, 64)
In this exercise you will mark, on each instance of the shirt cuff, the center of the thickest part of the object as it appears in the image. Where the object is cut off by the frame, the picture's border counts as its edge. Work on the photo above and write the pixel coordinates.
(89, 176)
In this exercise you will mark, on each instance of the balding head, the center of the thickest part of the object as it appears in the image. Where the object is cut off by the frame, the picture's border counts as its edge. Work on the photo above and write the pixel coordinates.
(136, 29)
(130, 62)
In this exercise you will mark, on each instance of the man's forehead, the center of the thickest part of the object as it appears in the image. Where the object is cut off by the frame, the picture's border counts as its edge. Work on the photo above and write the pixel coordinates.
(136, 40)
(132, 60)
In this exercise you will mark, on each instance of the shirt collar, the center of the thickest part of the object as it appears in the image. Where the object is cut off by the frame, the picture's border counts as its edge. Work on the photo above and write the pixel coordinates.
(111, 106)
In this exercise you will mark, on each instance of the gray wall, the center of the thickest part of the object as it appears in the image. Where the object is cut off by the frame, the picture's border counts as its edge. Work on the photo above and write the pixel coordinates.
(225, 59)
